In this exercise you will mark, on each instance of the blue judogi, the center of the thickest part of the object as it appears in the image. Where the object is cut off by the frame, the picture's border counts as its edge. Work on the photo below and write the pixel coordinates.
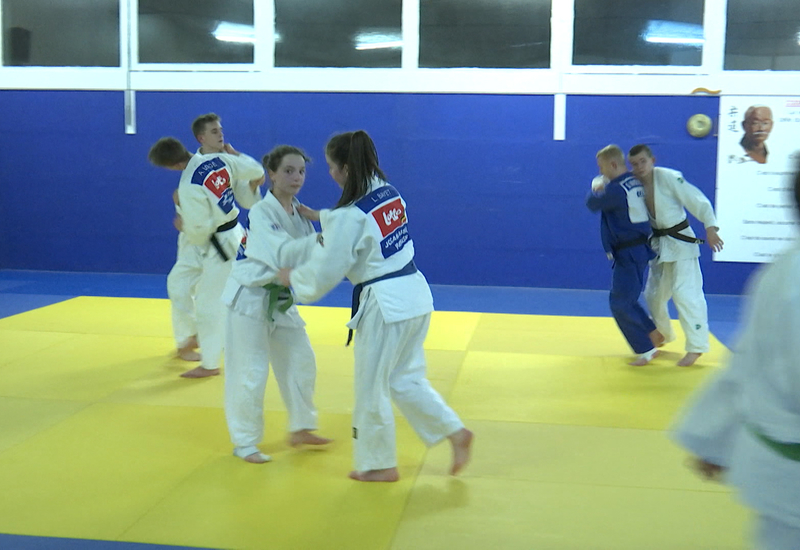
(625, 230)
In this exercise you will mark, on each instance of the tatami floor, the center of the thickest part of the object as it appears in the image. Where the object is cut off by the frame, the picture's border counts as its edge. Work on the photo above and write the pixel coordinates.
(102, 445)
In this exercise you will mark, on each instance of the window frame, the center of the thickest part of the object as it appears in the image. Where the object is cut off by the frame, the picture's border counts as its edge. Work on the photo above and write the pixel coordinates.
(561, 78)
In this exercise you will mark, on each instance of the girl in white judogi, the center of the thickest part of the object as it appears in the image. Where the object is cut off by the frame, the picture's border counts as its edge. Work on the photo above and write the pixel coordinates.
(366, 239)
(263, 326)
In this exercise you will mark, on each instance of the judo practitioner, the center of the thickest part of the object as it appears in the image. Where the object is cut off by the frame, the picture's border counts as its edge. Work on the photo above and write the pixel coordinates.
(366, 238)
(185, 274)
(675, 271)
(209, 214)
(263, 325)
(744, 426)
(624, 230)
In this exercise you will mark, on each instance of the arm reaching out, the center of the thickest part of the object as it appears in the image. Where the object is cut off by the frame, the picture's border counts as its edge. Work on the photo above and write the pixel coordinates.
(713, 240)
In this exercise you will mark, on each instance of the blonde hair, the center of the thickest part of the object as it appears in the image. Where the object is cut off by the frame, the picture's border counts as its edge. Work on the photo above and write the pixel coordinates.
(611, 152)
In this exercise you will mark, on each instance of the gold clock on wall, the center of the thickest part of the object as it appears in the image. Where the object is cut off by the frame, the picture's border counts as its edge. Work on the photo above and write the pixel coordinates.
(698, 125)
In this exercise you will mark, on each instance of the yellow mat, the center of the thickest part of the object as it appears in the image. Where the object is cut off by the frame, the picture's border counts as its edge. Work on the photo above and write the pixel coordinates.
(100, 439)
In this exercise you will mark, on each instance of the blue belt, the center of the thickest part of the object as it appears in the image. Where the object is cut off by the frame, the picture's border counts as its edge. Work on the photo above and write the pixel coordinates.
(409, 268)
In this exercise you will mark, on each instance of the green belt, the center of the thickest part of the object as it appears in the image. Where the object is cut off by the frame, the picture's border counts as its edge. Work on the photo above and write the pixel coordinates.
(788, 450)
(280, 298)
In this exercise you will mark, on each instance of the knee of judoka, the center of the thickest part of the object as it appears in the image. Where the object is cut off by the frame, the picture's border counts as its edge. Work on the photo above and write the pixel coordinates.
(401, 387)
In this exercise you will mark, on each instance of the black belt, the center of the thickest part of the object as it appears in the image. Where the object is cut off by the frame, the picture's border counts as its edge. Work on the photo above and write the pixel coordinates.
(221, 229)
(628, 244)
(674, 233)
(409, 268)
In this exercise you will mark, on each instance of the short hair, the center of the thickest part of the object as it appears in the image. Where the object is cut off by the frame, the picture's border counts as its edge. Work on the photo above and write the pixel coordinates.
(199, 124)
(640, 148)
(168, 152)
(611, 152)
(272, 160)
(750, 110)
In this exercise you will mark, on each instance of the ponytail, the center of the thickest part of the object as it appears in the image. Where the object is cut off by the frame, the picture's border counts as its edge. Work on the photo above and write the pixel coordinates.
(357, 152)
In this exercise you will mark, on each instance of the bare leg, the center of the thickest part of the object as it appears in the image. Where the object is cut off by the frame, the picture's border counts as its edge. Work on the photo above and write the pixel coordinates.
(200, 372)
(689, 359)
(657, 338)
(461, 441)
(305, 437)
(643, 358)
(188, 351)
(386, 475)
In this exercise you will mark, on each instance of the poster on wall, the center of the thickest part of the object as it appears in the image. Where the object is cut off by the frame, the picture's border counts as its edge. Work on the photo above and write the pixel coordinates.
(758, 151)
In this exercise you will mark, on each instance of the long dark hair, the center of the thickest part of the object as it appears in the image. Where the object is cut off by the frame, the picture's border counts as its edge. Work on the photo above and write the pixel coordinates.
(357, 152)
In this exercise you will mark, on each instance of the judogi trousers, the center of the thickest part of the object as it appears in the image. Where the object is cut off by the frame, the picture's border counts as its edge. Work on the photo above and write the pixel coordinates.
(682, 281)
(181, 289)
(252, 345)
(390, 366)
(210, 309)
(626, 287)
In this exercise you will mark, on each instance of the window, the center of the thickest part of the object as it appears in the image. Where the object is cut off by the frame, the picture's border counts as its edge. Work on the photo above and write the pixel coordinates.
(485, 33)
(338, 33)
(196, 31)
(44, 33)
(763, 35)
(633, 32)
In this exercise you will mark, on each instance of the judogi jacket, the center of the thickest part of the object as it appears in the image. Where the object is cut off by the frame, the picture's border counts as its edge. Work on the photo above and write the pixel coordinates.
(624, 221)
(208, 191)
(752, 408)
(672, 196)
(273, 239)
(364, 241)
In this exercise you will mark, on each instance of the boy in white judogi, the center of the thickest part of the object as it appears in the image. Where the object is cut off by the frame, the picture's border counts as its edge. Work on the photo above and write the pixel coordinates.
(206, 194)
(675, 272)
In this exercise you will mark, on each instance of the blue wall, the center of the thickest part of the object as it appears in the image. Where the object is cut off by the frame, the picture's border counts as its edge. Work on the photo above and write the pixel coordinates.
(493, 200)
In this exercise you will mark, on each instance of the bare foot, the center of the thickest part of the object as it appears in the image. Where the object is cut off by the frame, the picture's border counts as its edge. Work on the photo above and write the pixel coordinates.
(200, 372)
(689, 359)
(305, 437)
(189, 354)
(251, 455)
(461, 442)
(657, 338)
(387, 474)
(187, 350)
(643, 358)
(257, 458)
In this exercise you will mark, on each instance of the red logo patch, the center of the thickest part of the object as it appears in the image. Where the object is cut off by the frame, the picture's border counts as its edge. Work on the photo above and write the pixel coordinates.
(217, 182)
(390, 216)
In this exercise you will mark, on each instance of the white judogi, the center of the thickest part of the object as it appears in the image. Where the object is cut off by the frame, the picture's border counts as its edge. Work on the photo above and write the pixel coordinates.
(675, 272)
(253, 341)
(760, 388)
(206, 192)
(363, 241)
(182, 287)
